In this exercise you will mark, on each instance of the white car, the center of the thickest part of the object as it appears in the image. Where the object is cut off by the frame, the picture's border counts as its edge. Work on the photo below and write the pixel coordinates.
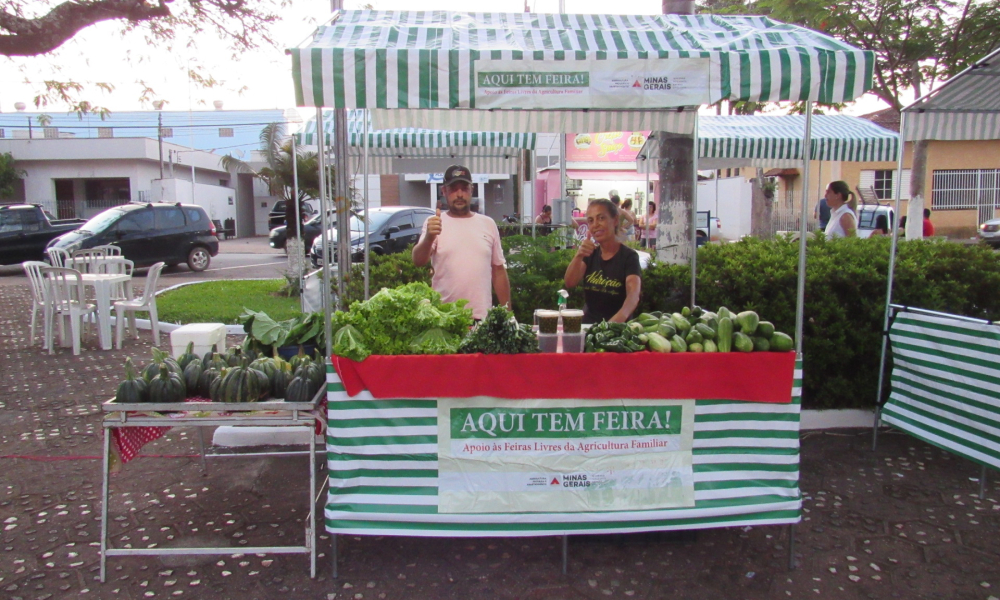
(867, 215)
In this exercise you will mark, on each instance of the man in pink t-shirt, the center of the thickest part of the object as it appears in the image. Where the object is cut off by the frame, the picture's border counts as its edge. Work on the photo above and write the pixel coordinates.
(464, 249)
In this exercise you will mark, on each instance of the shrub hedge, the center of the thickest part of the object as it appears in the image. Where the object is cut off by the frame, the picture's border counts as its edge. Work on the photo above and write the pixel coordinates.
(844, 305)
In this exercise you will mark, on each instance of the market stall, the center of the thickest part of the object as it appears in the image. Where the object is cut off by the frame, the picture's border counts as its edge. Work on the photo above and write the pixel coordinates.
(943, 387)
(389, 456)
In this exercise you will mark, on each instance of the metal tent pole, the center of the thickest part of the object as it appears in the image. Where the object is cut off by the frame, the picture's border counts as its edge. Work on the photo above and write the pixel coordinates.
(694, 214)
(341, 186)
(892, 270)
(801, 291)
(298, 216)
(365, 114)
(323, 210)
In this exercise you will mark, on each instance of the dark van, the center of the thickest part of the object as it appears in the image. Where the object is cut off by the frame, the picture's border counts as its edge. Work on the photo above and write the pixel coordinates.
(149, 233)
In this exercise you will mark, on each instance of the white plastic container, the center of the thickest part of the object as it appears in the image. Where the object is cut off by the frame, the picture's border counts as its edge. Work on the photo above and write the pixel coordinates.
(572, 342)
(204, 335)
(548, 342)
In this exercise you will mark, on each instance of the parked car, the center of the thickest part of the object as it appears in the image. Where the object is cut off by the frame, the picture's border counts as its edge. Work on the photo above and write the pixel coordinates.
(150, 233)
(390, 229)
(989, 232)
(713, 233)
(276, 218)
(310, 230)
(868, 213)
(25, 230)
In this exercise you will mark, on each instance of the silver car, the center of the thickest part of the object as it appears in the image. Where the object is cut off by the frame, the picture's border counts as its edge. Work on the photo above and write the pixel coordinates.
(989, 232)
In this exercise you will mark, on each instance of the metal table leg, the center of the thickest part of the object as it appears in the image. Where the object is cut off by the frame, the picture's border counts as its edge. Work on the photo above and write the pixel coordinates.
(982, 483)
(311, 529)
(201, 450)
(565, 553)
(791, 547)
(333, 556)
(104, 502)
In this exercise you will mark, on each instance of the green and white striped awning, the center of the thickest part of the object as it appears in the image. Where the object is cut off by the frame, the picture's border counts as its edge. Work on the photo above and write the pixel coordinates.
(945, 384)
(966, 107)
(524, 61)
(394, 150)
(777, 141)
(382, 457)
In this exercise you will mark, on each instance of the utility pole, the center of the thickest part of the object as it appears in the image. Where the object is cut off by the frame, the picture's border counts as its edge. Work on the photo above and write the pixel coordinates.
(158, 105)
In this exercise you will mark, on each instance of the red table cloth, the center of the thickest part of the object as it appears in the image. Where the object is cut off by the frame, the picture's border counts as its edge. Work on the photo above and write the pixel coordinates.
(751, 377)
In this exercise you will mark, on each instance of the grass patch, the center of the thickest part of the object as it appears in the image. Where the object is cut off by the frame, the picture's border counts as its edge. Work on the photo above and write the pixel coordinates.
(223, 301)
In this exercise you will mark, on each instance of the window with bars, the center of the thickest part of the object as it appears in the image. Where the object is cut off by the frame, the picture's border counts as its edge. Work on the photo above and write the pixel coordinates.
(957, 189)
(51, 133)
(882, 182)
(105, 132)
(225, 132)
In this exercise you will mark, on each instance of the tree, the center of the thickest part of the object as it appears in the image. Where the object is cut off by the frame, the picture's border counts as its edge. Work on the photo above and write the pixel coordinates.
(9, 175)
(31, 28)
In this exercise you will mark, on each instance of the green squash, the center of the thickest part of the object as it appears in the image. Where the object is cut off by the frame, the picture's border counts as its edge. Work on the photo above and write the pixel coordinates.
(298, 390)
(281, 378)
(265, 365)
(242, 384)
(188, 357)
(215, 361)
(299, 358)
(314, 372)
(205, 381)
(161, 358)
(233, 356)
(215, 388)
(209, 356)
(166, 387)
(192, 373)
(134, 389)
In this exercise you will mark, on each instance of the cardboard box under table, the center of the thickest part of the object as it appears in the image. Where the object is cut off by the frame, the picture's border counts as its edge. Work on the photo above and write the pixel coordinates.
(561, 444)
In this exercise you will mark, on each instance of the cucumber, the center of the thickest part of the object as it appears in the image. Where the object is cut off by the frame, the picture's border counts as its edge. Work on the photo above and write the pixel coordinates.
(760, 344)
(677, 344)
(724, 312)
(696, 348)
(765, 329)
(706, 332)
(685, 312)
(748, 321)
(680, 323)
(782, 342)
(693, 337)
(725, 335)
(742, 342)
(658, 343)
(710, 346)
(667, 330)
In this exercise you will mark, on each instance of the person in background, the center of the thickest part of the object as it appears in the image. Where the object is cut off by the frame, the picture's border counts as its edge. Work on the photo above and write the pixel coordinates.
(881, 226)
(626, 221)
(843, 219)
(928, 226)
(629, 217)
(648, 226)
(544, 217)
(464, 249)
(608, 270)
(822, 213)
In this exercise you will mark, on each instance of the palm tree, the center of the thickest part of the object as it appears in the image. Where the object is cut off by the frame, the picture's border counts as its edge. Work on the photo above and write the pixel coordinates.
(276, 148)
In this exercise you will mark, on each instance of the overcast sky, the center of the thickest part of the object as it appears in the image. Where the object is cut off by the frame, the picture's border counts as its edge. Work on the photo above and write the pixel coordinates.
(101, 54)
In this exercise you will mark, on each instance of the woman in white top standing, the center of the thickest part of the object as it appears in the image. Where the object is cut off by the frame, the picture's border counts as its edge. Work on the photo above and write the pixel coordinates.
(843, 218)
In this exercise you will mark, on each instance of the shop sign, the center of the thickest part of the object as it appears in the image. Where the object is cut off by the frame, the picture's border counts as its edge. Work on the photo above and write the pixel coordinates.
(601, 84)
(610, 146)
(511, 456)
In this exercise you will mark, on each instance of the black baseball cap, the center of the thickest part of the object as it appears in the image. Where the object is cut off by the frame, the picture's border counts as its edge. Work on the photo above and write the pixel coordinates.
(457, 173)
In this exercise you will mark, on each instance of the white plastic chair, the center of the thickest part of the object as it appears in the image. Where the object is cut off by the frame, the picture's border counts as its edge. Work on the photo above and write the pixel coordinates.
(64, 298)
(57, 257)
(146, 302)
(117, 266)
(89, 260)
(109, 250)
(33, 269)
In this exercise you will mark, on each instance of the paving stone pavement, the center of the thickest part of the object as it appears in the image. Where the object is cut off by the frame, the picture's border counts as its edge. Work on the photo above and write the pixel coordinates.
(902, 522)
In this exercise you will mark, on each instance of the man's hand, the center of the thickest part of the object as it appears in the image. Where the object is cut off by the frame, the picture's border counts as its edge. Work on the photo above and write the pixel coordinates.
(587, 247)
(434, 225)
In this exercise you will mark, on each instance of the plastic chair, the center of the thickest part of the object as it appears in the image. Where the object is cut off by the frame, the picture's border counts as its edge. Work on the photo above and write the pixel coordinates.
(57, 257)
(33, 269)
(109, 250)
(114, 265)
(146, 302)
(89, 260)
(64, 298)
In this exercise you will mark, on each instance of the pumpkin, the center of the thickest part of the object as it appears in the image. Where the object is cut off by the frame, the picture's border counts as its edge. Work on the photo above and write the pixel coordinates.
(133, 389)
(160, 358)
(266, 365)
(166, 387)
(192, 373)
(188, 357)
(215, 388)
(242, 384)
(209, 355)
(315, 372)
(205, 380)
(280, 379)
(298, 390)
(215, 361)
(299, 358)
(233, 356)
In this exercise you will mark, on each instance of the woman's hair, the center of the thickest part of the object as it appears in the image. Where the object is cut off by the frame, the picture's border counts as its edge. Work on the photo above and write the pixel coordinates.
(841, 187)
(652, 207)
(608, 206)
(627, 204)
(882, 223)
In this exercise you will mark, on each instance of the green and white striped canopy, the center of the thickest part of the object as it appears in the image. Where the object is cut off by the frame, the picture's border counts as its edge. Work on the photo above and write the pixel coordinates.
(481, 151)
(524, 61)
(966, 107)
(777, 141)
